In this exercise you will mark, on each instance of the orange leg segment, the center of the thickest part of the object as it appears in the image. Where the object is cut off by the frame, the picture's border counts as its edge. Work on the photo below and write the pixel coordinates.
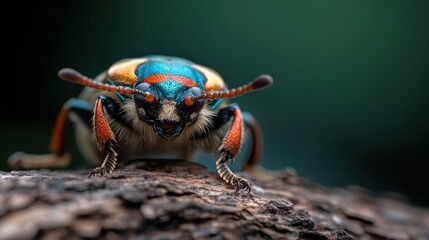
(233, 140)
(105, 139)
(229, 150)
(58, 137)
(102, 131)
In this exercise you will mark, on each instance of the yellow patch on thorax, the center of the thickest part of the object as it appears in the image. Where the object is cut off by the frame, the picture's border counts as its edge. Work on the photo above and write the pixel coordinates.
(214, 80)
(123, 71)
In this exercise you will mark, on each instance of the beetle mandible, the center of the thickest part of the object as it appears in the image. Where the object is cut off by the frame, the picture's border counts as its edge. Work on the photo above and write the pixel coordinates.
(153, 105)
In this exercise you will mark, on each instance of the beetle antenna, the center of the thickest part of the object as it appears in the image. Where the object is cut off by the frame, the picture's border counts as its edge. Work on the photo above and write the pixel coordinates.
(74, 76)
(260, 82)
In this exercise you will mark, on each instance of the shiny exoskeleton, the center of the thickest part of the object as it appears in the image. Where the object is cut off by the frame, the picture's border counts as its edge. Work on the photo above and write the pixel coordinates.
(153, 106)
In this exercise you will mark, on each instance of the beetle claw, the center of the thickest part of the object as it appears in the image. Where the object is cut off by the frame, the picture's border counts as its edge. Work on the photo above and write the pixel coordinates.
(97, 172)
(243, 184)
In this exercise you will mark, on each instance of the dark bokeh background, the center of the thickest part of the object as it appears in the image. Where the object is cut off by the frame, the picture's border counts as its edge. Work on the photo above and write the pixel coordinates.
(350, 104)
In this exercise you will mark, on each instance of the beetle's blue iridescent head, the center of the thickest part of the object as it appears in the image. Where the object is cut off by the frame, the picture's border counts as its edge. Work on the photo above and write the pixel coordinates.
(171, 105)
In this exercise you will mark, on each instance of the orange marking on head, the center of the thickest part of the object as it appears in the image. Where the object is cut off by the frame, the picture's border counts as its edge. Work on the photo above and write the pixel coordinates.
(157, 78)
(189, 101)
(184, 81)
(150, 98)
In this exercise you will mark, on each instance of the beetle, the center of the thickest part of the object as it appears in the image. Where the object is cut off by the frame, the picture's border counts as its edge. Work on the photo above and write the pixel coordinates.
(150, 106)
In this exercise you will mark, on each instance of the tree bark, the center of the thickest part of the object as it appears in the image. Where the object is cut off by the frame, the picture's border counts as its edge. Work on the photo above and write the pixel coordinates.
(165, 199)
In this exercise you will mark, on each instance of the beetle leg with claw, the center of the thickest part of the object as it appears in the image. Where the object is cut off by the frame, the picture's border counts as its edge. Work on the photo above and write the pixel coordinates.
(59, 156)
(105, 139)
(230, 148)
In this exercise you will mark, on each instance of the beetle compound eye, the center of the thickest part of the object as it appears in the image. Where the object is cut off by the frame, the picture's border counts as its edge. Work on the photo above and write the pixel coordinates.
(198, 103)
(140, 99)
(143, 87)
(196, 91)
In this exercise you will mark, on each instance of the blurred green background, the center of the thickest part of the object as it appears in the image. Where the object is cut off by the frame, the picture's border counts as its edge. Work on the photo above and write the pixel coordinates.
(350, 102)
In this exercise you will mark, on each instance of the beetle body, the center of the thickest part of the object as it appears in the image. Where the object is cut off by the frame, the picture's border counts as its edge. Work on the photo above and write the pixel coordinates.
(150, 107)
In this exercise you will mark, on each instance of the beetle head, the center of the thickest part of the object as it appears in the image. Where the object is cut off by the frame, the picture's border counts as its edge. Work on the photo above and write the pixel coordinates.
(168, 109)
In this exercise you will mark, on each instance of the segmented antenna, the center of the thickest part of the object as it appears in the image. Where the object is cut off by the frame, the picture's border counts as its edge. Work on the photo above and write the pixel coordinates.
(260, 82)
(74, 76)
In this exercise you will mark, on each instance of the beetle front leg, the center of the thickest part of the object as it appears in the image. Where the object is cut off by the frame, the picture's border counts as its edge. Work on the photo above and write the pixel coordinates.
(105, 139)
(230, 148)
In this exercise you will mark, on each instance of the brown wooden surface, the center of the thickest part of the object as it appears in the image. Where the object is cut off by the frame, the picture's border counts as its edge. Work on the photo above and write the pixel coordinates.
(182, 200)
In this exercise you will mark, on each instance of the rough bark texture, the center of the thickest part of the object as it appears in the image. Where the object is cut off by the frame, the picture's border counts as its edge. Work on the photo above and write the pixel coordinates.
(182, 200)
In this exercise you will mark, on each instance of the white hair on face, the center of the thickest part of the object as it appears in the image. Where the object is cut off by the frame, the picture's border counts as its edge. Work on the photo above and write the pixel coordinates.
(168, 111)
(204, 121)
(142, 129)
(201, 126)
